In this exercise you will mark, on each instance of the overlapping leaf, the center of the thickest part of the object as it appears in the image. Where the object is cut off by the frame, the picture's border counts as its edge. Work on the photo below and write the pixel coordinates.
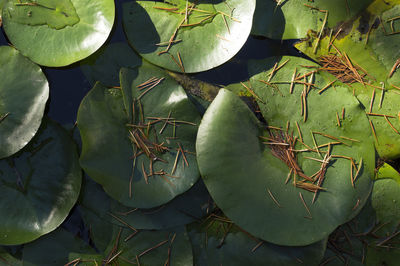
(23, 94)
(229, 135)
(188, 36)
(182, 210)
(217, 241)
(58, 42)
(40, 184)
(293, 19)
(162, 117)
(367, 49)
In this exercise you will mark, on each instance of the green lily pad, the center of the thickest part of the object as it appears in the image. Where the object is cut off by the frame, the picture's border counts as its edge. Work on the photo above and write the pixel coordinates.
(229, 135)
(385, 198)
(40, 184)
(110, 157)
(293, 19)
(151, 247)
(184, 209)
(212, 34)
(71, 42)
(126, 245)
(55, 14)
(104, 65)
(387, 171)
(371, 44)
(59, 248)
(23, 94)
(219, 242)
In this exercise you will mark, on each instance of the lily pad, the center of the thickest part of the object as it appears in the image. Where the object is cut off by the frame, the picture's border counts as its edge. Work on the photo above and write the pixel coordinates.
(109, 131)
(41, 183)
(23, 94)
(184, 209)
(58, 42)
(126, 245)
(229, 135)
(203, 34)
(370, 44)
(104, 65)
(386, 198)
(293, 19)
(220, 242)
(151, 247)
(59, 248)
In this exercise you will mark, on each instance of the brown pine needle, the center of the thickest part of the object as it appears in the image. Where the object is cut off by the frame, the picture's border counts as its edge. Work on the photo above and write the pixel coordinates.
(320, 32)
(288, 176)
(354, 140)
(146, 83)
(176, 162)
(149, 88)
(382, 115)
(338, 120)
(299, 131)
(144, 174)
(152, 248)
(226, 24)
(334, 38)
(394, 68)
(183, 154)
(180, 62)
(351, 175)
(292, 82)
(273, 198)
(305, 205)
(252, 92)
(382, 95)
(373, 131)
(326, 86)
(122, 221)
(177, 63)
(222, 38)
(330, 137)
(165, 123)
(315, 143)
(357, 203)
(390, 124)
(358, 170)
(257, 246)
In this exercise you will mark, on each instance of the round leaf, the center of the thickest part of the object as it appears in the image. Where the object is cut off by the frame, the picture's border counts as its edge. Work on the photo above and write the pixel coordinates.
(126, 245)
(229, 135)
(46, 45)
(212, 34)
(293, 19)
(41, 183)
(23, 94)
(233, 246)
(182, 210)
(374, 33)
(120, 166)
(152, 247)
